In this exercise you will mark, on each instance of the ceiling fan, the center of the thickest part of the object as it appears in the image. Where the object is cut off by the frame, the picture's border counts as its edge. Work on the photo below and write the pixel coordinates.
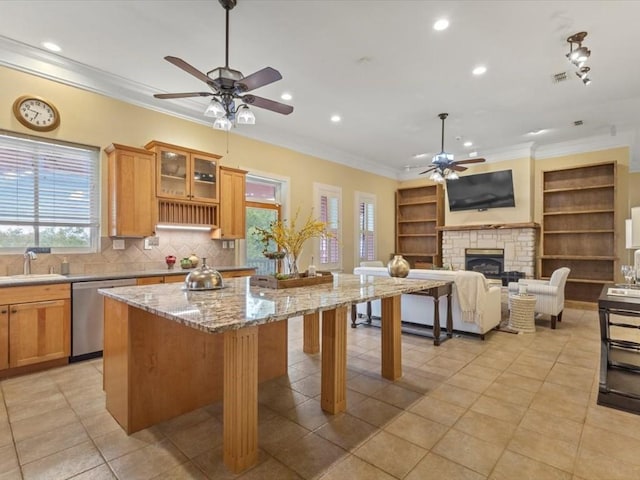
(229, 85)
(443, 166)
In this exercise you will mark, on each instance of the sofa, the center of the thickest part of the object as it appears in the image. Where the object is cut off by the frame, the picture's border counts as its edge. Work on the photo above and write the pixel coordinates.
(477, 311)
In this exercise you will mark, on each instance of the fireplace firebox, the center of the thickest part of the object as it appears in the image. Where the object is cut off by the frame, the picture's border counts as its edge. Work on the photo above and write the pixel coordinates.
(488, 261)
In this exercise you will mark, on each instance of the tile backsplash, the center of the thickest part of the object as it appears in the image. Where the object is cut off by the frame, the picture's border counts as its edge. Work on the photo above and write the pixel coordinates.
(133, 258)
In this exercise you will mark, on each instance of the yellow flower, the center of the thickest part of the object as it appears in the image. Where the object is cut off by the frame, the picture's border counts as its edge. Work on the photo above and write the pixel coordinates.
(288, 237)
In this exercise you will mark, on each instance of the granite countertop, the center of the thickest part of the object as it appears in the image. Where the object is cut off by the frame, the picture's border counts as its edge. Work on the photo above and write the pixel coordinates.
(238, 304)
(39, 279)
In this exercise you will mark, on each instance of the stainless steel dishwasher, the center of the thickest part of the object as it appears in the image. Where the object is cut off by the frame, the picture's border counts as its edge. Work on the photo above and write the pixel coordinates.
(87, 316)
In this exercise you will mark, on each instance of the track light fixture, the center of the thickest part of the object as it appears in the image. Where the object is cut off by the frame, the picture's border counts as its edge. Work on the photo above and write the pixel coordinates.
(579, 56)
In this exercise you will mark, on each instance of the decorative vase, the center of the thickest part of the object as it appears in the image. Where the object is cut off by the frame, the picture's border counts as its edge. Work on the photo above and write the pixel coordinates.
(193, 258)
(398, 266)
(185, 263)
(292, 264)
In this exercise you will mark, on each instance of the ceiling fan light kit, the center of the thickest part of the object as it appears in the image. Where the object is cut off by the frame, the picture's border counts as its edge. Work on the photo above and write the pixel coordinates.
(443, 166)
(230, 103)
(579, 56)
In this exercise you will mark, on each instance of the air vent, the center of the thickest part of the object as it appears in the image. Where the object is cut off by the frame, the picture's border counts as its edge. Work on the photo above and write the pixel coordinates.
(577, 123)
(559, 77)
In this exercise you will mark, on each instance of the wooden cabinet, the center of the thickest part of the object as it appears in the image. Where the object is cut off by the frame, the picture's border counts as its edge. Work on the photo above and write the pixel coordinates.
(578, 228)
(160, 279)
(245, 272)
(132, 203)
(419, 211)
(185, 174)
(4, 337)
(35, 324)
(232, 206)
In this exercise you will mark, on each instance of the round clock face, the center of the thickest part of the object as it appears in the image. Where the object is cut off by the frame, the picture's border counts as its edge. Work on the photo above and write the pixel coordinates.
(36, 113)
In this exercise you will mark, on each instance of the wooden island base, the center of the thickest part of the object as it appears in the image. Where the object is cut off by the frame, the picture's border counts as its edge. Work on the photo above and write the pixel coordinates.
(156, 369)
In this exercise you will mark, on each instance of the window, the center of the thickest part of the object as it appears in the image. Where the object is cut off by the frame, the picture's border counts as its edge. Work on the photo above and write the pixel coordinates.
(329, 204)
(262, 207)
(49, 195)
(366, 221)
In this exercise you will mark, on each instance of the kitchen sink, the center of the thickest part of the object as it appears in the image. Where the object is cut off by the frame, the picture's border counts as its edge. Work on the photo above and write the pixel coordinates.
(30, 277)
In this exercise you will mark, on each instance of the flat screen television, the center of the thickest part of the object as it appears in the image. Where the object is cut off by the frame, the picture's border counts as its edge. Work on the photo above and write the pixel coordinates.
(481, 191)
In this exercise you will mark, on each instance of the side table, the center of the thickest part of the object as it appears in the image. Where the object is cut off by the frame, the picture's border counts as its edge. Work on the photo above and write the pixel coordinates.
(522, 315)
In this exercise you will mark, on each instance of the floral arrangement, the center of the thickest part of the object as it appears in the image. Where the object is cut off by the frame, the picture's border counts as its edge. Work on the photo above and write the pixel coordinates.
(290, 239)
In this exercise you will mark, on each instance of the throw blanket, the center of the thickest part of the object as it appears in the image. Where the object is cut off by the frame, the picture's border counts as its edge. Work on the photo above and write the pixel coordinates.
(472, 290)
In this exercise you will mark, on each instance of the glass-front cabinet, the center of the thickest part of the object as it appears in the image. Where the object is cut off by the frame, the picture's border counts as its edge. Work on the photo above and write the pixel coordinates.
(186, 174)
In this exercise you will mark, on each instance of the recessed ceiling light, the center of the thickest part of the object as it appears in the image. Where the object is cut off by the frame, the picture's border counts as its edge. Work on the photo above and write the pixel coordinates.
(537, 132)
(473, 154)
(441, 24)
(286, 96)
(480, 70)
(335, 118)
(420, 155)
(467, 144)
(51, 46)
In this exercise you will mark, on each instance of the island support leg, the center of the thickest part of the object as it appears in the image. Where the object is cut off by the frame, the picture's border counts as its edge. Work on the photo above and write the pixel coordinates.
(240, 401)
(391, 338)
(333, 393)
(311, 333)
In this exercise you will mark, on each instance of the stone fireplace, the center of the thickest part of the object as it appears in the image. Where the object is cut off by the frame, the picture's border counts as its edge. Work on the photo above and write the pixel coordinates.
(517, 241)
(488, 261)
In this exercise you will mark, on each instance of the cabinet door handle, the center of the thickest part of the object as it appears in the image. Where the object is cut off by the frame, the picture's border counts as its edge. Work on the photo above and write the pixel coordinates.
(4, 311)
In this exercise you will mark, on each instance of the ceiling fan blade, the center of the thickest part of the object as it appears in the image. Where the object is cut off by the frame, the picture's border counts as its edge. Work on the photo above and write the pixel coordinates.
(470, 160)
(178, 62)
(182, 95)
(259, 79)
(267, 104)
(428, 170)
(458, 168)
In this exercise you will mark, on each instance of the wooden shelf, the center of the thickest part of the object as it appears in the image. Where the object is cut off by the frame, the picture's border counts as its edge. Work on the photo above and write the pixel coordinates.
(578, 229)
(419, 213)
(584, 280)
(575, 189)
(417, 234)
(579, 212)
(419, 220)
(562, 232)
(578, 257)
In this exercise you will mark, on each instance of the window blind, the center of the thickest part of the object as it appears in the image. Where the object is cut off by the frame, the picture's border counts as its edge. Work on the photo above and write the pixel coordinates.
(46, 184)
(367, 230)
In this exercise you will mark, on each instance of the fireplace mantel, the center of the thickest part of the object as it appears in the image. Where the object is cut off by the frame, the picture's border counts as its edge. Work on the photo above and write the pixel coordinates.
(492, 226)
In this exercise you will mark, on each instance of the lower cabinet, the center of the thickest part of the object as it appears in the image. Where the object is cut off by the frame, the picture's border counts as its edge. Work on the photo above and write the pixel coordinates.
(38, 332)
(35, 325)
(4, 337)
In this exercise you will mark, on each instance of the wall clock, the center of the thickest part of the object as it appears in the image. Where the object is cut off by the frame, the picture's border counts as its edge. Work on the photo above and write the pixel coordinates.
(36, 113)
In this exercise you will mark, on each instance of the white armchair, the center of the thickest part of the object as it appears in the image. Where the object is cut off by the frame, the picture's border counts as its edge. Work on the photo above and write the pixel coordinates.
(549, 293)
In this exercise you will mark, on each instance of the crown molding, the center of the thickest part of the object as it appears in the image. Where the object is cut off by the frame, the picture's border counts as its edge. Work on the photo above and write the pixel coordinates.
(624, 138)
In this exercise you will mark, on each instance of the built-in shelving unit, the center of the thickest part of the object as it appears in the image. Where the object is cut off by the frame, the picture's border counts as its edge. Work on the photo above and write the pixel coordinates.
(419, 211)
(578, 227)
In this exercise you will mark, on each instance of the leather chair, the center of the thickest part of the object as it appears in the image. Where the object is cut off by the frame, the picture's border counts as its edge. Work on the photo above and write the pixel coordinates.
(549, 293)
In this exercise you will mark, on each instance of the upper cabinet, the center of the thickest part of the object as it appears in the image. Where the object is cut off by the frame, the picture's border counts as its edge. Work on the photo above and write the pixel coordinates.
(232, 207)
(132, 204)
(185, 174)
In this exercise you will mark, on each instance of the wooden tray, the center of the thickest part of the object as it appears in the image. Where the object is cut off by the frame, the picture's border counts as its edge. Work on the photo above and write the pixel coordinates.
(269, 281)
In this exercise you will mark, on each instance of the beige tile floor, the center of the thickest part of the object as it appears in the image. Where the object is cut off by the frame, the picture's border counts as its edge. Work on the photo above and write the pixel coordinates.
(511, 407)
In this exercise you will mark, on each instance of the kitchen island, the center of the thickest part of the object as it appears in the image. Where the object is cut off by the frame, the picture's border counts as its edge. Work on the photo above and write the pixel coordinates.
(168, 351)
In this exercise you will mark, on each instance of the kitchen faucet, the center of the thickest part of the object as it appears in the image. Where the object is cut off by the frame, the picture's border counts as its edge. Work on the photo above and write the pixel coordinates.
(28, 256)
